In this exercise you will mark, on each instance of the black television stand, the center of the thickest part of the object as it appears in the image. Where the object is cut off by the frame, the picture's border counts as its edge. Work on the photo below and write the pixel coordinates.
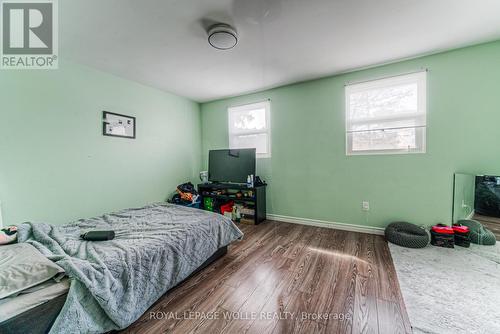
(225, 192)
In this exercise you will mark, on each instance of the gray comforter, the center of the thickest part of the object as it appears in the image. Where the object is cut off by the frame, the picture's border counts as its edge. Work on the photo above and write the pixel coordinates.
(115, 282)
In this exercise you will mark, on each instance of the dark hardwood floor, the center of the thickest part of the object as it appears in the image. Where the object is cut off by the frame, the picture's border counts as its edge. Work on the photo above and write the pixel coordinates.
(491, 223)
(288, 278)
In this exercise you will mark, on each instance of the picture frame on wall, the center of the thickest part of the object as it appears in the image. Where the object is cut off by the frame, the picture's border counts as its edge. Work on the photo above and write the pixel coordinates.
(118, 125)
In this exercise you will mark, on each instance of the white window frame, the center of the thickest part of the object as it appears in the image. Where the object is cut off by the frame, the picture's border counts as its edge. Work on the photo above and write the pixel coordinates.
(420, 78)
(246, 107)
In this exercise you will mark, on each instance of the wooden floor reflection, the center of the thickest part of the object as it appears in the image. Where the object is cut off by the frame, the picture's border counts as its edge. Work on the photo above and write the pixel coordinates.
(288, 278)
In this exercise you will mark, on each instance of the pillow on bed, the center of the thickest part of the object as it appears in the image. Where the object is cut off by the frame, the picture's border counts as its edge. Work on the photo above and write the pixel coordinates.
(23, 266)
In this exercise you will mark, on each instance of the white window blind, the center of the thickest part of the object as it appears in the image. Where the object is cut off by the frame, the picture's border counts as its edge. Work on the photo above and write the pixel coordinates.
(387, 116)
(249, 127)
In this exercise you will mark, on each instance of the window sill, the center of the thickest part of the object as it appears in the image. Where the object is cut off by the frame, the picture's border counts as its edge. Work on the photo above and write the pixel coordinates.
(386, 152)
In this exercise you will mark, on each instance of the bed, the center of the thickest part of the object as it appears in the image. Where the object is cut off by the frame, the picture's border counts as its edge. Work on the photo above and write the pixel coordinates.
(112, 283)
(33, 311)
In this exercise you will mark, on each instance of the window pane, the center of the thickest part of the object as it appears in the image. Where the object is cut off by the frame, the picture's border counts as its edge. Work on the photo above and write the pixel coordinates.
(247, 120)
(387, 114)
(249, 127)
(258, 141)
(385, 101)
(410, 139)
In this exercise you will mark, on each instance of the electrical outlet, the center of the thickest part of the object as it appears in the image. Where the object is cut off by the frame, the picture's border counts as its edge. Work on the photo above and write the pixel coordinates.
(365, 206)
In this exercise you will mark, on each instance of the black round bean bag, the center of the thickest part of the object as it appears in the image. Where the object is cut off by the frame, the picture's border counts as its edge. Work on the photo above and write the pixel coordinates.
(406, 235)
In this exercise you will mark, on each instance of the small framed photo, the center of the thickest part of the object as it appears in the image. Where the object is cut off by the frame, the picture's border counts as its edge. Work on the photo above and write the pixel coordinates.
(117, 125)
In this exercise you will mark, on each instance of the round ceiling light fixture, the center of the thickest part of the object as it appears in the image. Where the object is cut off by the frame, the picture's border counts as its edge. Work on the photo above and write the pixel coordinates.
(222, 36)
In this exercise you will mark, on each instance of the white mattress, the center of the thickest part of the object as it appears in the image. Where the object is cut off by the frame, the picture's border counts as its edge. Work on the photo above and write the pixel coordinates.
(32, 297)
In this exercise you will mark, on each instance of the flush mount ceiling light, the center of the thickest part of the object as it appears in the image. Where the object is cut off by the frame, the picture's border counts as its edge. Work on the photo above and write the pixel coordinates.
(222, 36)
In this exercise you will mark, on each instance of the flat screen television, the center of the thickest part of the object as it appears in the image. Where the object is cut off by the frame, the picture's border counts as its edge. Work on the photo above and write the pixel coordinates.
(231, 166)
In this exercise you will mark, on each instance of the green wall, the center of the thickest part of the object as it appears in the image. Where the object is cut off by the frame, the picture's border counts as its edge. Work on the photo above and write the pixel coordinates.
(310, 176)
(55, 165)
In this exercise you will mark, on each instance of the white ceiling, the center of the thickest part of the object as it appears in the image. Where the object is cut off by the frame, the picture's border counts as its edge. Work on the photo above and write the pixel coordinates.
(163, 43)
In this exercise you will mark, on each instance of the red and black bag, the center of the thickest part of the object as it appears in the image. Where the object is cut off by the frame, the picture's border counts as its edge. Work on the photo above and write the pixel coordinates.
(462, 235)
(442, 236)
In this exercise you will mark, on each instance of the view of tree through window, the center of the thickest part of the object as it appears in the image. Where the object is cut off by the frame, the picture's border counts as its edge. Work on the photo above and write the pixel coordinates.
(386, 115)
(250, 120)
(249, 127)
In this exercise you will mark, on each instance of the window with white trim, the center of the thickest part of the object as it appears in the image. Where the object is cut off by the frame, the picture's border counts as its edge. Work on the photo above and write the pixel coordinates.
(249, 127)
(387, 116)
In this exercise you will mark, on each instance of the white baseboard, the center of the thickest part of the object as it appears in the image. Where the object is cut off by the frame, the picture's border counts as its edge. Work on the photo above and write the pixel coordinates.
(327, 224)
